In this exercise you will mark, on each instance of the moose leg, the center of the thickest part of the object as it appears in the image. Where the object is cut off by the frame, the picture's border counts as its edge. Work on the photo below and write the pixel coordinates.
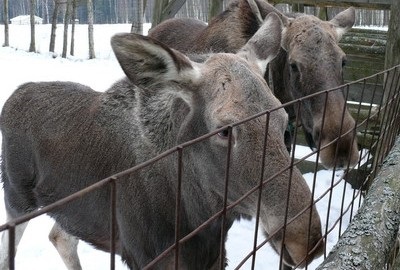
(4, 255)
(67, 247)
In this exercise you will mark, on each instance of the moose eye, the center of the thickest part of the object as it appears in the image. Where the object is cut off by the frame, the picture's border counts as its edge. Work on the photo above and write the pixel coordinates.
(224, 134)
(294, 67)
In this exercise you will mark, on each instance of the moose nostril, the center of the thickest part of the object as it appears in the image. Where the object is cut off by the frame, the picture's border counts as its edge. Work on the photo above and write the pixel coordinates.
(317, 135)
(294, 67)
(287, 258)
(288, 140)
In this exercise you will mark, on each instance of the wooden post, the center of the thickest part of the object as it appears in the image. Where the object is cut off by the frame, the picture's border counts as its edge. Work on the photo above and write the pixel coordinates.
(298, 8)
(215, 8)
(323, 13)
(370, 4)
(392, 57)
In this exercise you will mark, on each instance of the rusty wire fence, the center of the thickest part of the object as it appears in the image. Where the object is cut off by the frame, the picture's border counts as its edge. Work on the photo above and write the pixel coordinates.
(342, 193)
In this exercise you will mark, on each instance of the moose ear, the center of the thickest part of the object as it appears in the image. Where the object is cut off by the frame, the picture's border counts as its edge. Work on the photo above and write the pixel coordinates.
(147, 62)
(261, 8)
(344, 21)
(265, 44)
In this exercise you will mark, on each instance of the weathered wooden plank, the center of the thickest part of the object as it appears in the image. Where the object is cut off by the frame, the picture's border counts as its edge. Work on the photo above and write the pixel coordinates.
(365, 51)
(370, 4)
(372, 33)
(359, 67)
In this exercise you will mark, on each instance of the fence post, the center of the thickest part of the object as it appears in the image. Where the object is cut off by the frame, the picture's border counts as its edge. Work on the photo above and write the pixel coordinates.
(367, 242)
(393, 41)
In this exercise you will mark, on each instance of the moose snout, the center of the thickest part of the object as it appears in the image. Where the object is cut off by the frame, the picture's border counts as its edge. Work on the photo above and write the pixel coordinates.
(338, 143)
(294, 254)
(340, 152)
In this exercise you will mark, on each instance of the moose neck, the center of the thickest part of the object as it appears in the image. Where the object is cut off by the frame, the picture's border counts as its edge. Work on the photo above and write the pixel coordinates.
(161, 117)
(216, 36)
(158, 116)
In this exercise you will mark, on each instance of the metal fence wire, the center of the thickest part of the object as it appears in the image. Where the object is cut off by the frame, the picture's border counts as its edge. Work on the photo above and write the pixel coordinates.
(377, 118)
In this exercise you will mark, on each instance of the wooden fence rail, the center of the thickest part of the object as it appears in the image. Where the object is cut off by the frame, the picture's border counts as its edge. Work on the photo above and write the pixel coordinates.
(371, 4)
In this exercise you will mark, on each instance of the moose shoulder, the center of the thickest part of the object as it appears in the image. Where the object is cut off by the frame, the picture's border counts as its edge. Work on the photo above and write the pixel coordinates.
(59, 137)
(310, 61)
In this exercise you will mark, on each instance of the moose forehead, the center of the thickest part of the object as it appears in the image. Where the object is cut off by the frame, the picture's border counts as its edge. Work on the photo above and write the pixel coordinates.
(309, 37)
(229, 77)
(233, 88)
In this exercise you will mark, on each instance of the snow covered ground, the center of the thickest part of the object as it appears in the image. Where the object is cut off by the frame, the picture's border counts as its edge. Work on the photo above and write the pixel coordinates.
(17, 66)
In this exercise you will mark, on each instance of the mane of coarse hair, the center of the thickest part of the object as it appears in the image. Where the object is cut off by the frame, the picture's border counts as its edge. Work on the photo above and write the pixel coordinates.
(240, 12)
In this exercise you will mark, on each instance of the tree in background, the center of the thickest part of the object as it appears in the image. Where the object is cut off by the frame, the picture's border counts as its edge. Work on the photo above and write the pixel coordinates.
(159, 6)
(137, 20)
(54, 25)
(73, 19)
(6, 28)
(67, 17)
(45, 11)
(90, 29)
(165, 9)
(32, 46)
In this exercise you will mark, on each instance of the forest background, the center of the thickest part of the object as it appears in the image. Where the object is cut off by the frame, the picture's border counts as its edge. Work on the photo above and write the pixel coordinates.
(124, 11)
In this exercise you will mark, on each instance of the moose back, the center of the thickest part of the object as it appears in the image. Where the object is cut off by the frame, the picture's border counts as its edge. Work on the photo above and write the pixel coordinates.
(59, 137)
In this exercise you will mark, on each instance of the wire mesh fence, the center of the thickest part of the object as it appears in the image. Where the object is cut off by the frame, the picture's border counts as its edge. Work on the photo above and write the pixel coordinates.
(337, 195)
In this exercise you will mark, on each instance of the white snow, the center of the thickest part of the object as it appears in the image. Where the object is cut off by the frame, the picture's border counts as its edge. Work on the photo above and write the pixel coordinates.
(18, 66)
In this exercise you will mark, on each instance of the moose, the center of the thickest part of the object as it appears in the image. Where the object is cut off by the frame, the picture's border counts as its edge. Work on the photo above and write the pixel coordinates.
(309, 61)
(60, 137)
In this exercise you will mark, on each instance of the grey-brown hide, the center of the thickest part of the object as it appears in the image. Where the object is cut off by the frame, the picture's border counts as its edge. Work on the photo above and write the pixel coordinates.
(310, 61)
(50, 150)
(314, 63)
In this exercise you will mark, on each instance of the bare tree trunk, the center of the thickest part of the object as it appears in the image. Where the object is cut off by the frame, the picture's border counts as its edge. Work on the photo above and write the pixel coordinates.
(214, 8)
(73, 18)
(54, 26)
(32, 46)
(90, 29)
(126, 10)
(45, 7)
(164, 9)
(159, 6)
(116, 11)
(6, 28)
(137, 20)
(66, 23)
